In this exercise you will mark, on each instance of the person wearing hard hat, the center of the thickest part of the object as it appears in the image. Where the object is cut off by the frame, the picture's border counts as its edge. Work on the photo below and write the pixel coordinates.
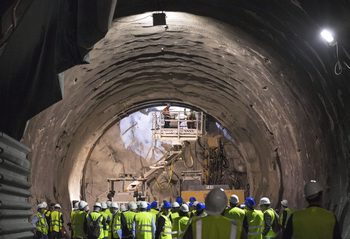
(271, 225)
(200, 210)
(56, 222)
(193, 208)
(180, 223)
(179, 200)
(74, 211)
(253, 221)
(154, 209)
(313, 222)
(96, 224)
(175, 208)
(107, 217)
(129, 216)
(116, 224)
(40, 223)
(79, 221)
(164, 226)
(214, 225)
(144, 226)
(236, 213)
(285, 214)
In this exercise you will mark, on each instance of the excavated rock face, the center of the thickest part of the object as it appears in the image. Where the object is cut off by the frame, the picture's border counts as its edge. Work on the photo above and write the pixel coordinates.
(282, 107)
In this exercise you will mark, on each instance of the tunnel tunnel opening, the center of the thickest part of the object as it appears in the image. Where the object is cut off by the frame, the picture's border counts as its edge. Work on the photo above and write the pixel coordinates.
(253, 92)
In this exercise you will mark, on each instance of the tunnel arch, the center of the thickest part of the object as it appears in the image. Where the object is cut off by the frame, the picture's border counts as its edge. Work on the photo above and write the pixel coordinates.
(263, 101)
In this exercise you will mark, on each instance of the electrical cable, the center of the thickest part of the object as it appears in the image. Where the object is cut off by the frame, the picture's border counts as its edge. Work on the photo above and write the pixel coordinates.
(340, 65)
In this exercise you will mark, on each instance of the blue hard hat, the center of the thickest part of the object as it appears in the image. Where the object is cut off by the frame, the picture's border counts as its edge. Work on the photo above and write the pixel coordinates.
(250, 202)
(167, 205)
(200, 206)
(192, 199)
(179, 200)
(154, 204)
(148, 206)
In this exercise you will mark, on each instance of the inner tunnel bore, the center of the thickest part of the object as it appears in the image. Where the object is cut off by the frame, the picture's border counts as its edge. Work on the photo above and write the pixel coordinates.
(244, 85)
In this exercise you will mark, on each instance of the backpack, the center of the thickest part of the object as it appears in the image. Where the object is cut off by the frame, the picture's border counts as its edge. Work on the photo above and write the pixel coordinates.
(276, 227)
(94, 228)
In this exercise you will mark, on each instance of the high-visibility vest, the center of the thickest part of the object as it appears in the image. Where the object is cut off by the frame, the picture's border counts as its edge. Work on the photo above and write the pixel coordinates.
(129, 217)
(179, 226)
(94, 216)
(110, 215)
(210, 227)
(255, 219)
(79, 221)
(284, 217)
(56, 221)
(271, 233)
(116, 224)
(236, 214)
(41, 224)
(72, 222)
(166, 233)
(313, 223)
(174, 215)
(154, 212)
(143, 225)
(107, 221)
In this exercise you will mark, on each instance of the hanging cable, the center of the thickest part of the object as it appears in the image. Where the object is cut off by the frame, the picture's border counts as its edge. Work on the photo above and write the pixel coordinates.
(341, 64)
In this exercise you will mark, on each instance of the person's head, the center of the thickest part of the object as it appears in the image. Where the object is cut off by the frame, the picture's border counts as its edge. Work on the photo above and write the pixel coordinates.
(143, 206)
(175, 207)
(313, 192)
(166, 207)
(249, 203)
(52, 206)
(192, 199)
(234, 200)
(184, 210)
(123, 208)
(57, 207)
(114, 207)
(200, 208)
(75, 204)
(104, 206)
(179, 200)
(41, 208)
(284, 203)
(82, 205)
(132, 206)
(154, 205)
(216, 201)
(97, 207)
(109, 203)
(265, 203)
(44, 204)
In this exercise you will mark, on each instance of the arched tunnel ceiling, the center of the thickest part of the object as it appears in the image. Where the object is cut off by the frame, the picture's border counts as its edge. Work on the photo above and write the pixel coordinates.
(259, 69)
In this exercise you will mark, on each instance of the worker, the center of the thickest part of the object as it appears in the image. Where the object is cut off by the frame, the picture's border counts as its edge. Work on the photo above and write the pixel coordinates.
(167, 116)
(200, 210)
(271, 225)
(79, 222)
(179, 200)
(40, 223)
(192, 199)
(144, 226)
(126, 226)
(154, 209)
(214, 225)
(236, 213)
(74, 211)
(129, 216)
(96, 224)
(193, 208)
(253, 221)
(285, 214)
(56, 222)
(180, 223)
(107, 217)
(116, 224)
(164, 226)
(314, 221)
(175, 208)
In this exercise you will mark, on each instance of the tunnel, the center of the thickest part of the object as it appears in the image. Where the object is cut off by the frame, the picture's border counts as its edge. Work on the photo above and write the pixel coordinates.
(258, 68)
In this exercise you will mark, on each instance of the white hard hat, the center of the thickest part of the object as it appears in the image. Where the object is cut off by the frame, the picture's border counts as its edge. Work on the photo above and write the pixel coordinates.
(104, 205)
(41, 206)
(123, 208)
(242, 206)
(44, 204)
(184, 208)
(216, 201)
(115, 205)
(143, 205)
(284, 203)
(109, 203)
(265, 201)
(312, 188)
(234, 199)
(57, 205)
(82, 204)
(175, 205)
(86, 209)
(76, 205)
(98, 204)
(132, 206)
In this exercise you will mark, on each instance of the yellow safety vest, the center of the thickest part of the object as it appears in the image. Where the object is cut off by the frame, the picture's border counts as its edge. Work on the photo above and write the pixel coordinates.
(179, 226)
(107, 219)
(283, 221)
(272, 214)
(129, 217)
(174, 215)
(56, 221)
(167, 229)
(313, 223)
(210, 227)
(78, 222)
(116, 224)
(255, 219)
(94, 216)
(143, 225)
(41, 224)
(237, 215)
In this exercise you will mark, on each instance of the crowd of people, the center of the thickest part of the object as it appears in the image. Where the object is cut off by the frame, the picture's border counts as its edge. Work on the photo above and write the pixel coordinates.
(192, 220)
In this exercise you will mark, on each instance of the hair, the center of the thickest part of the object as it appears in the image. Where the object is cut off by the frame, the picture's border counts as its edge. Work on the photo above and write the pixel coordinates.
(315, 199)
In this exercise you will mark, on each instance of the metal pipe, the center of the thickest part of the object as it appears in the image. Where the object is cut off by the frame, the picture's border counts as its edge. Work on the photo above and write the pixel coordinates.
(14, 181)
(14, 191)
(15, 213)
(14, 167)
(14, 205)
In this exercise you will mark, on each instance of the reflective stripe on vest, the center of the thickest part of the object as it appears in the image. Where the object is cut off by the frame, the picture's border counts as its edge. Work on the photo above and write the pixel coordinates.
(56, 222)
(42, 225)
(143, 225)
(215, 227)
(167, 229)
(255, 219)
